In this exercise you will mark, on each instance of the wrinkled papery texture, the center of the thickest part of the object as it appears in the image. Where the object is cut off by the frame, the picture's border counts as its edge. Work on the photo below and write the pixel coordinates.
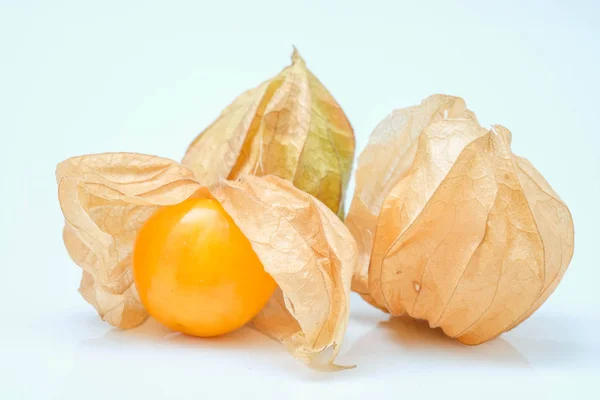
(105, 199)
(303, 245)
(310, 254)
(289, 126)
(452, 227)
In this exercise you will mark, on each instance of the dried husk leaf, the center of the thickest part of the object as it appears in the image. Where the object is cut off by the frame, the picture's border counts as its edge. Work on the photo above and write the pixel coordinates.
(310, 254)
(106, 198)
(289, 126)
(385, 161)
(455, 229)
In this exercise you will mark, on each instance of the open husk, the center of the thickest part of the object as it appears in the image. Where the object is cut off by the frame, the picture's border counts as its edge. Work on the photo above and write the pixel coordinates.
(106, 198)
(289, 126)
(451, 226)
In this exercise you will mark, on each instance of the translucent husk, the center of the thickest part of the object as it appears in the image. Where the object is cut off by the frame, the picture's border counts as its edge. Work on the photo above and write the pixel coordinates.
(106, 198)
(451, 226)
(289, 126)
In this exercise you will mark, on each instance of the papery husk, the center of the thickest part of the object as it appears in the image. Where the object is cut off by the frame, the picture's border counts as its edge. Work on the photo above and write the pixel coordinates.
(106, 198)
(452, 227)
(289, 126)
(310, 254)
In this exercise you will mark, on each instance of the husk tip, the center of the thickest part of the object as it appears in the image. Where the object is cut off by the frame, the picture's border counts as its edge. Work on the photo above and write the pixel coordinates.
(296, 57)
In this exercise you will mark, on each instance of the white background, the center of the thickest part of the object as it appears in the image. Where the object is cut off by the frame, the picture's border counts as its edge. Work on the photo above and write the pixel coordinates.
(79, 77)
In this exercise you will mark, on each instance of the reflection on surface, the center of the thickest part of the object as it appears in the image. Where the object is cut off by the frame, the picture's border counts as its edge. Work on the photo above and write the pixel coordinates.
(379, 345)
(412, 343)
(152, 331)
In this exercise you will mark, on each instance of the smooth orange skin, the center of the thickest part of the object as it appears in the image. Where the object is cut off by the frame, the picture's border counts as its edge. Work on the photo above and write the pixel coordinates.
(196, 272)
